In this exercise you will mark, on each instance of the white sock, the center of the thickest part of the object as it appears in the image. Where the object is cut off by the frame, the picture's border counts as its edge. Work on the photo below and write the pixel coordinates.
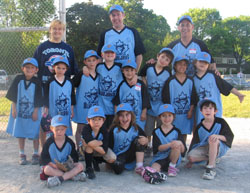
(139, 164)
(172, 165)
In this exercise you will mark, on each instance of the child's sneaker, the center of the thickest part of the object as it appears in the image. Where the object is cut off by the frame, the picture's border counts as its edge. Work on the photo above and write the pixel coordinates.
(35, 159)
(139, 170)
(172, 171)
(209, 174)
(22, 160)
(53, 181)
(90, 173)
(80, 177)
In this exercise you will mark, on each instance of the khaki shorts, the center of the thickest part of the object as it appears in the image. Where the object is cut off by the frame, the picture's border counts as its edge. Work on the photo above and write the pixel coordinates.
(109, 155)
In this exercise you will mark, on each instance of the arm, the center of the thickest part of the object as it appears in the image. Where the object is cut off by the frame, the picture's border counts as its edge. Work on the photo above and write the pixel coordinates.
(238, 94)
(138, 61)
(34, 114)
(13, 106)
(144, 114)
(190, 112)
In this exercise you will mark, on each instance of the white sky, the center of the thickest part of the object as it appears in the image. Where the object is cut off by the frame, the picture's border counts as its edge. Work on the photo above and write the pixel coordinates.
(171, 10)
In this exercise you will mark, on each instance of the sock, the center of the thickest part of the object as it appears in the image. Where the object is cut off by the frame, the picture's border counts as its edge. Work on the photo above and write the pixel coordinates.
(35, 152)
(88, 159)
(139, 164)
(60, 178)
(21, 151)
(210, 166)
(172, 165)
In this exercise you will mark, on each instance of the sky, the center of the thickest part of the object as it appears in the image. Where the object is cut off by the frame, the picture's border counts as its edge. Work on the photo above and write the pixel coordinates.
(171, 10)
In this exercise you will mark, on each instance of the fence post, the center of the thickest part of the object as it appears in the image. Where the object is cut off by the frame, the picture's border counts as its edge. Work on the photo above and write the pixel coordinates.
(62, 15)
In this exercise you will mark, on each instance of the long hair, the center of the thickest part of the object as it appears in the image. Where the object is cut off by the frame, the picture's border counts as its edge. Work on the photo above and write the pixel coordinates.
(116, 122)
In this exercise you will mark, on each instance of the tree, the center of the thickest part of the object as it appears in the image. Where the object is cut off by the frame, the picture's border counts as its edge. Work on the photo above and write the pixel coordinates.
(85, 23)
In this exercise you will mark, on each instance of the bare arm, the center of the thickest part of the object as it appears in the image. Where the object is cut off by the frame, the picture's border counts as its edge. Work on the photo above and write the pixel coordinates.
(238, 94)
(13, 110)
(138, 61)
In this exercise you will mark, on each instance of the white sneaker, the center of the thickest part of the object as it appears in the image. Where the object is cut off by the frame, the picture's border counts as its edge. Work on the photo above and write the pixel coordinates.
(53, 181)
(209, 174)
(80, 177)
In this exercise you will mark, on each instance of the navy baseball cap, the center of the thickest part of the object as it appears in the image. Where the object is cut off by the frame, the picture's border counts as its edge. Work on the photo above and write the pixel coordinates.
(185, 17)
(166, 108)
(60, 59)
(206, 100)
(180, 58)
(129, 63)
(32, 61)
(204, 56)
(59, 120)
(90, 53)
(96, 111)
(116, 7)
(124, 107)
(108, 47)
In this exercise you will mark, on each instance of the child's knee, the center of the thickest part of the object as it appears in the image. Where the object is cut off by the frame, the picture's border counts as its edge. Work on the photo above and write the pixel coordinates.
(79, 167)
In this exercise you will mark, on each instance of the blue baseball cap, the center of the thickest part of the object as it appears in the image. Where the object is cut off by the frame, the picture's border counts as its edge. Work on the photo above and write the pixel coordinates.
(96, 111)
(166, 108)
(180, 58)
(206, 100)
(60, 59)
(32, 61)
(185, 17)
(129, 63)
(116, 7)
(124, 107)
(108, 47)
(90, 53)
(204, 56)
(59, 120)
(168, 50)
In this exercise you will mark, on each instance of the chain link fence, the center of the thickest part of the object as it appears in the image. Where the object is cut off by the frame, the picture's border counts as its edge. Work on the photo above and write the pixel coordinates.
(23, 26)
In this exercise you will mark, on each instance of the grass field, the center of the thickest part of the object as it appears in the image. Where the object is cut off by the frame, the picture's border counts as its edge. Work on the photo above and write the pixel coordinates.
(231, 106)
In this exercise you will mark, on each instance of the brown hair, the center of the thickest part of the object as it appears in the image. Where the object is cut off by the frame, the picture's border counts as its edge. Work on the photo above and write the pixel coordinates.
(116, 122)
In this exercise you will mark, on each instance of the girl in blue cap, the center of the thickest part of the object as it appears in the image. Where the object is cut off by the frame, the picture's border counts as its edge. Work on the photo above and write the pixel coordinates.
(168, 143)
(127, 140)
(24, 122)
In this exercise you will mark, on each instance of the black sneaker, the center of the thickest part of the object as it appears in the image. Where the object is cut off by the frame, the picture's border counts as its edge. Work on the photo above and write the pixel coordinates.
(96, 166)
(90, 173)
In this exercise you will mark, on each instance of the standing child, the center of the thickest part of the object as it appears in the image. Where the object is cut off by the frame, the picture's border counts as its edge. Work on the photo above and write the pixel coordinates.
(212, 139)
(86, 93)
(59, 147)
(154, 76)
(168, 143)
(95, 141)
(209, 85)
(180, 92)
(59, 93)
(24, 122)
(127, 140)
(134, 93)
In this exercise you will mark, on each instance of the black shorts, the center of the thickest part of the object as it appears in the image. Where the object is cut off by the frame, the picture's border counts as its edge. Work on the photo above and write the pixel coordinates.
(164, 163)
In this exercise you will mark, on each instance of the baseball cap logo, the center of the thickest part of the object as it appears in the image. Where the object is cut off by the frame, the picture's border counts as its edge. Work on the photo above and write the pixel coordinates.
(129, 61)
(59, 118)
(92, 52)
(29, 59)
(121, 105)
(61, 58)
(96, 109)
(165, 106)
(109, 46)
(205, 55)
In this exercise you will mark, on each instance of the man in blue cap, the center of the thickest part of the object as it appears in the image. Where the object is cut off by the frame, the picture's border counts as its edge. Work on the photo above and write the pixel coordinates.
(126, 40)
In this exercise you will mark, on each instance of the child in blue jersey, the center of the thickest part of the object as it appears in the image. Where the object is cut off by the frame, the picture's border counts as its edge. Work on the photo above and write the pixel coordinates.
(134, 93)
(25, 93)
(59, 93)
(168, 143)
(127, 140)
(86, 93)
(59, 147)
(209, 85)
(154, 76)
(212, 139)
(179, 91)
(95, 141)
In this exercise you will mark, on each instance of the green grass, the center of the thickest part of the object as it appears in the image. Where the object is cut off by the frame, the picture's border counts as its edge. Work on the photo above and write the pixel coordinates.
(231, 106)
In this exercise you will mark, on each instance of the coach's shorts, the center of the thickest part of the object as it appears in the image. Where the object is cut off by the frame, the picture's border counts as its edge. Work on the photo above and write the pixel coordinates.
(109, 155)
(151, 123)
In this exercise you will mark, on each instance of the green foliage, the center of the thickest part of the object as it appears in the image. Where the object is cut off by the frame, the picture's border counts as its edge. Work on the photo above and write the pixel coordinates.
(85, 23)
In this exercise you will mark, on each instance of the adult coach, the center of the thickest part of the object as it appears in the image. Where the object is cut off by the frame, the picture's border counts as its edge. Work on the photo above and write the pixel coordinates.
(187, 45)
(126, 40)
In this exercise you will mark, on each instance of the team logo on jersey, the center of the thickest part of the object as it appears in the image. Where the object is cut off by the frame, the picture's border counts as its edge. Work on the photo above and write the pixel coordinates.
(62, 104)
(25, 108)
(203, 93)
(107, 87)
(181, 103)
(122, 50)
(133, 102)
(126, 143)
(92, 98)
(50, 62)
(154, 91)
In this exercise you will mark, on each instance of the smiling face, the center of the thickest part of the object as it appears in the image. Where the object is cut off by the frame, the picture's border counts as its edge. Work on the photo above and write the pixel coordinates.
(180, 67)
(116, 18)
(186, 28)
(129, 73)
(60, 69)
(163, 60)
(29, 70)
(56, 31)
(167, 119)
(91, 62)
(96, 122)
(201, 66)
(108, 56)
(125, 119)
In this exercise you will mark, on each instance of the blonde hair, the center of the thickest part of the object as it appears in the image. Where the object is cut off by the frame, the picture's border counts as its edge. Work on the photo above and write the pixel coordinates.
(57, 22)
(116, 122)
